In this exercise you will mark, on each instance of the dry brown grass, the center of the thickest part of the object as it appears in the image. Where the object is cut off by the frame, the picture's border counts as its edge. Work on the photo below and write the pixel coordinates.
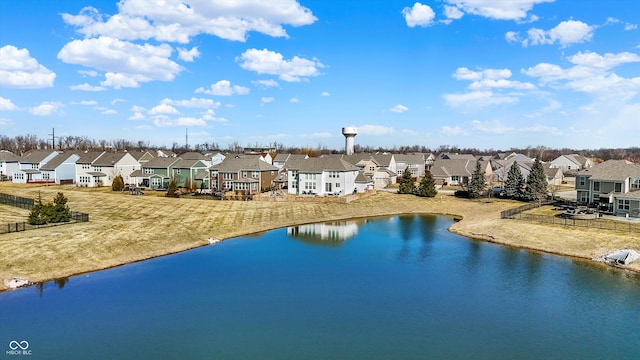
(124, 228)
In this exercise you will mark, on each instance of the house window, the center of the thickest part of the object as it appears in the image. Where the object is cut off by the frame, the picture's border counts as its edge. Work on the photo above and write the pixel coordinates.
(337, 185)
(254, 186)
(178, 171)
(581, 180)
(255, 174)
(623, 204)
(596, 186)
(45, 176)
(97, 168)
(327, 187)
(226, 184)
(618, 187)
(372, 168)
(244, 174)
(227, 176)
(635, 183)
(86, 166)
(34, 166)
(308, 185)
(455, 179)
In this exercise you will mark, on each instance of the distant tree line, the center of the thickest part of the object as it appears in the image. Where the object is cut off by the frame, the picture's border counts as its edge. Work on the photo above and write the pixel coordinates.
(22, 144)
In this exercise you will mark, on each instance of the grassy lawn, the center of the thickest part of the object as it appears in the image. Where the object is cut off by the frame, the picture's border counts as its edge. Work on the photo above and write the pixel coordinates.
(125, 228)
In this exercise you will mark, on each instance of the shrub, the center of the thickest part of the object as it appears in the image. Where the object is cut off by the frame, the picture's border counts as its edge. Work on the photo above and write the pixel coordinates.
(118, 183)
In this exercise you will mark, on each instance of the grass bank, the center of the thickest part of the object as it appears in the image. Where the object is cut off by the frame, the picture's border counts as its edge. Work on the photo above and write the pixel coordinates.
(125, 228)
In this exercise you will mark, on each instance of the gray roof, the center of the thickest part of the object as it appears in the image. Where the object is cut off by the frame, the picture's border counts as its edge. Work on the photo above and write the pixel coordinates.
(88, 157)
(361, 178)
(251, 163)
(318, 165)
(56, 161)
(109, 158)
(160, 162)
(7, 156)
(193, 156)
(612, 170)
(443, 168)
(188, 164)
(36, 156)
(409, 158)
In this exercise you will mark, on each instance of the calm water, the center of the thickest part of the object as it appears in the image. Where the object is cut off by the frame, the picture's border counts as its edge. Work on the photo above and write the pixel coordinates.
(394, 288)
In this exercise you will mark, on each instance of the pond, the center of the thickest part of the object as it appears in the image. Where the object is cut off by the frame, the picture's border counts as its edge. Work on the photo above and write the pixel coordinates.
(396, 287)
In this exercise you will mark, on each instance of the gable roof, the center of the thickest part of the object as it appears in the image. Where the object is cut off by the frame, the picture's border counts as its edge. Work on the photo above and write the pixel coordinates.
(57, 161)
(612, 170)
(88, 157)
(110, 159)
(161, 162)
(318, 165)
(8, 156)
(192, 155)
(251, 163)
(188, 164)
(36, 156)
(409, 158)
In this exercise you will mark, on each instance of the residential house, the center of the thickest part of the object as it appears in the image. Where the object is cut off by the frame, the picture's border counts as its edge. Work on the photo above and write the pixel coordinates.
(415, 164)
(155, 174)
(215, 158)
(281, 159)
(141, 156)
(501, 170)
(85, 173)
(61, 169)
(30, 164)
(112, 164)
(458, 171)
(455, 156)
(386, 161)
(571, 162)
(244, 174)
(9, 163)
(185, 171)
(382, 178)
(323, 176)
(614, 184)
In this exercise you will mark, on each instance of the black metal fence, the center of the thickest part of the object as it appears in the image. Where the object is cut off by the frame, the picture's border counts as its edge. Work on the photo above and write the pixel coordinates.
(600, 223)
(27, 204)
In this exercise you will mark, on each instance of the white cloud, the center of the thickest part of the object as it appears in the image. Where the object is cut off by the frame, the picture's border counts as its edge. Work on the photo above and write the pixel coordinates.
(7, 105)
(265, 83)
(566, 33)
(497, 9)
(491, 127)
(273, 63)
(174, 21)
(136, 108)
(628, 26)
(47, 108)
(399, 108)
(87, 87)
(512, 36)
(453, 12)
(490, 79)
(375, 130)
(117, 100)
(477, 99)
(223, 88)
(188, 55)
(193, 103)
(591, 73)
(163, 109)
(89, 73)
(127, 64)
(266, 100)
(19, 70)
(137, 116)
(325, 93)
(294, 100)
(183, 121)
(453, 130)
(109, 112)
(418, 15)
(88, 102)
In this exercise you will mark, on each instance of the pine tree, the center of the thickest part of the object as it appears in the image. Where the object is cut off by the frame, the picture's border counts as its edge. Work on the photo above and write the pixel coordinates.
(537, 182)
(59, 211)
(37, 216)
(173, 187)
(427, 187)
(514, 185)
(477, 184)
(407, 186)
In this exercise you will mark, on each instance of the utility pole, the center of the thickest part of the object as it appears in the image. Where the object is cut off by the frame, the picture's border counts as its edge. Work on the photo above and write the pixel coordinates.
(53, 138)
(186, 139)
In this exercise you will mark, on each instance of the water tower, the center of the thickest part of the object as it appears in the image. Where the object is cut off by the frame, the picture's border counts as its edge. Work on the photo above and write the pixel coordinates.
(349, 139)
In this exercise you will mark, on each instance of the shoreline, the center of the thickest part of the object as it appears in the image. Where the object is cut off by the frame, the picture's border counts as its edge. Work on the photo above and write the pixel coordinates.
(77, 248)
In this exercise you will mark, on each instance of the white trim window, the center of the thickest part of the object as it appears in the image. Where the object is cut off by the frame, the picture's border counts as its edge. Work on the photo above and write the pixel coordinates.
(624, 204)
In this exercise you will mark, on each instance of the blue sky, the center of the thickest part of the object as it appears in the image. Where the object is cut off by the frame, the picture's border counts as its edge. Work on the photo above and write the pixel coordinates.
(473, 73)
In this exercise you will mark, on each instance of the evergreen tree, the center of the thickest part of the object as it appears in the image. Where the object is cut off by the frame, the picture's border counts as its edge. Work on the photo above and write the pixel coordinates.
(173, 187)
(514, 185)
(477, 184)
(37, 216)
(118, 183)
(537, 182)
(427, 187)
(59, 211)
(407, 185)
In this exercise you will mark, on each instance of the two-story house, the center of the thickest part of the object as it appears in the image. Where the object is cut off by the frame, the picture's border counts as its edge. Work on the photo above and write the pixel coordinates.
(415, 164)
(9, 163)
(324, 176)
(85, 173)
(185, 171)
(614, 184)
(155, 174)
(243, 174)
(61, 169)
(112, 164)
(30, 164)
(571, 162)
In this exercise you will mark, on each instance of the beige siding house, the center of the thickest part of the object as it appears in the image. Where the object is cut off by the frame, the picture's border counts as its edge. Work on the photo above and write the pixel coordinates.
(613, 184)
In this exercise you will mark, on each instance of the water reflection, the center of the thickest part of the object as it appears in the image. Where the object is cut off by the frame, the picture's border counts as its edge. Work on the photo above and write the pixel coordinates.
(60, 283)
(328, 233)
